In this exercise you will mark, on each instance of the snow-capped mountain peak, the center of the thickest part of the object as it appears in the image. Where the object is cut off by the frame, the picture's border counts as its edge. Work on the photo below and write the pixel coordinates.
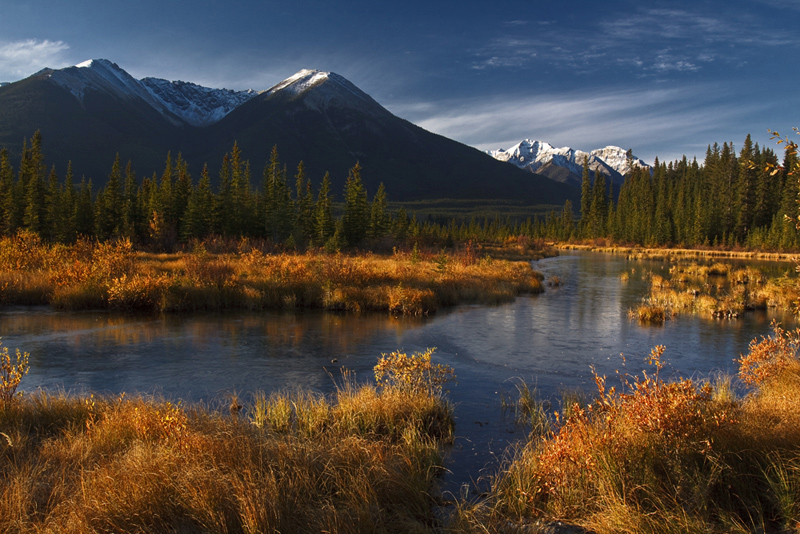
(328, 88)
(537, 156)
(97, 74)
(300, 81)
(178, 101)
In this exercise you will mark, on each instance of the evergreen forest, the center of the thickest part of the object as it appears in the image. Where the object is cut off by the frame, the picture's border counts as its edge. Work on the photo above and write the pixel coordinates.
(732, 200)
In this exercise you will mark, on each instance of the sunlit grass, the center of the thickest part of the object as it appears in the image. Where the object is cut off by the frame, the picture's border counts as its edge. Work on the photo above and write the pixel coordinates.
(716, 290)
(363, 460)
(664, 456)
(113, 275)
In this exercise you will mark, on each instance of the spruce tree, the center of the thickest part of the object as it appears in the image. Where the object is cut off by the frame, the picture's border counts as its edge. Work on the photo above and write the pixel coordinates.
(31, 179)
(6, 193)
(278, 207)
(52, 203)
(67, 231)
(198, 218)
(598, 211)
(304, 204)
(586, 196)
(379, 221)
(131, 223)
(324, 224)
(108, 208)
(84, 210)
(355, 221)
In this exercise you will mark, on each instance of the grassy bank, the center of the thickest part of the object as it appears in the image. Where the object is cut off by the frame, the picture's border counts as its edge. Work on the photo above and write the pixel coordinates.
(363, 460)
(679, 253)
(717, 290)
(663, 456)
(113, 275)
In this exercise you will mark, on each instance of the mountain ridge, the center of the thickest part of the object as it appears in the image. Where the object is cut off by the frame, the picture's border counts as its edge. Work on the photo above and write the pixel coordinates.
(543, 158)
(181, 102)
(89, 113)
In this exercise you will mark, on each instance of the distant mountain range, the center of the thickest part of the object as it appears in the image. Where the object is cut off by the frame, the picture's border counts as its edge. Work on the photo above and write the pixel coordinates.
(92, 111)
(566, 164)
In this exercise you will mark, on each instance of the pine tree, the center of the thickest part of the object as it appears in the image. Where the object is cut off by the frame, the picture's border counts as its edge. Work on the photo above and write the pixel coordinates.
(52, 204)
(182, 188)
(6, 193)
(355, 221)
(278, 208)
(198, 218)
(586, 197)
(67, 231)
(304, 204)
(31, 178)
(108, 208)
(84, 210)
(599, 207)
(131, 223)
(745, 182)
(379, 221)
(324, 224)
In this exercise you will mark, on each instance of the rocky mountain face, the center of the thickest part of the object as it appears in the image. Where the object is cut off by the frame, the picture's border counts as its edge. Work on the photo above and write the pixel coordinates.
(90, 112)
(180, 102)
(566, 164)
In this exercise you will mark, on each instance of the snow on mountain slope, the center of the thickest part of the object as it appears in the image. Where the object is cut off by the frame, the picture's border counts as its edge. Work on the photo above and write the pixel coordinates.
(535, 155)
(195, 104)
(98, 74)
(181, 101)
(329, 88)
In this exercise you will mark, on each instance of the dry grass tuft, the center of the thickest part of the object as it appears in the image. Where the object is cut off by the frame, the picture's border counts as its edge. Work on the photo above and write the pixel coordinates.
(717, 290)
(112, 275)
(663, 456)
(365, 460)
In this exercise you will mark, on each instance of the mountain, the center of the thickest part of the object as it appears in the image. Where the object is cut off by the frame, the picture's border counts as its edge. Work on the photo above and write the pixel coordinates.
(566, 164)
(180, 102)
(90, 112)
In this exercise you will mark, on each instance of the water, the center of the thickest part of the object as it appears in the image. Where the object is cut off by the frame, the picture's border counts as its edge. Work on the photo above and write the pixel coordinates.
(551, 341)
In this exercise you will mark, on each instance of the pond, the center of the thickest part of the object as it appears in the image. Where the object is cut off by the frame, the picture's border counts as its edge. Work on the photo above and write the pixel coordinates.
(551, 341)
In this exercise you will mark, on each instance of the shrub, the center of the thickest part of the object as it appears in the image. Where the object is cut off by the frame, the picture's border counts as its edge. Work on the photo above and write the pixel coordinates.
(11, 373)
(413, 373)
(770, 356)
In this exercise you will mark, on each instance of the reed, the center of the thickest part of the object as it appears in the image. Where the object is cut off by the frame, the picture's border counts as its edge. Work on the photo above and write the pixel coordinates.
(715, 290)
(114, 276)
(364, 460)
(663, 456)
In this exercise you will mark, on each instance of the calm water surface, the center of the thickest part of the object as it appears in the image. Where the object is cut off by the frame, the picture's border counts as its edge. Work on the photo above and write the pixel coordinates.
(551, 341)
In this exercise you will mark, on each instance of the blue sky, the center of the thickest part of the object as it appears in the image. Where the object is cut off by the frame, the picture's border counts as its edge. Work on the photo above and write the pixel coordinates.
(664, 81)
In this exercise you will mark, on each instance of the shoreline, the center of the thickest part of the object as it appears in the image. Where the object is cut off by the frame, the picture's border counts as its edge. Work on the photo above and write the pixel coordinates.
(682, 252)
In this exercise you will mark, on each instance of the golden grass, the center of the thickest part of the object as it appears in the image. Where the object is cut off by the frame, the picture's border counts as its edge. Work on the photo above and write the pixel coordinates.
(662, 456)
(668, 254)
(364, 460)
(714, 290)
(113, 275)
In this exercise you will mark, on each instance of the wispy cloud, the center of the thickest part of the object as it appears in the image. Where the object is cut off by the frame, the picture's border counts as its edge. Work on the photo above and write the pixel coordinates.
(22, 58)
(646, 121)
(634, 41)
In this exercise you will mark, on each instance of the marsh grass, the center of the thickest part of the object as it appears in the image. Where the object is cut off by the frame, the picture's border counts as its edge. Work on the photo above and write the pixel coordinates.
(664, 456)
(363, 460)
(114, 276)
(529, 409)
(716, 290)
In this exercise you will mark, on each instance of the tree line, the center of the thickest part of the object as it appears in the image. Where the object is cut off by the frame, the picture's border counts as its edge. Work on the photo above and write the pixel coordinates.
(731, 200)
(173, 208)
(743, 199)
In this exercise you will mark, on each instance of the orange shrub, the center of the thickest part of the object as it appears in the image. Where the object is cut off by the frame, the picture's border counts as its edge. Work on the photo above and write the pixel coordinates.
(771, 355)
